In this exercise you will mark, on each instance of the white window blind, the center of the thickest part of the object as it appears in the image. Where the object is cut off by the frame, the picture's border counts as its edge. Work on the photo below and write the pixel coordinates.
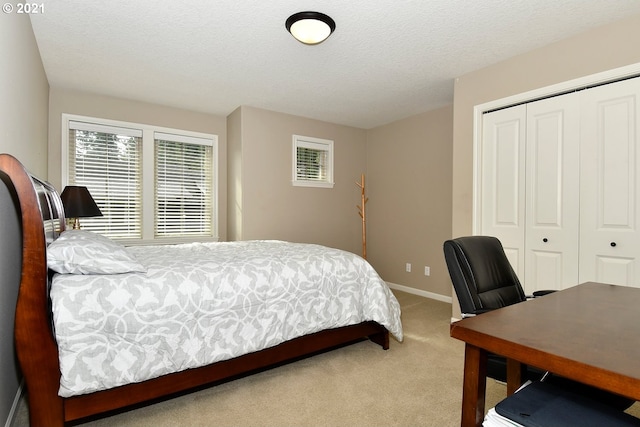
(153, 184)
(313, 162)
(183, 186)
(107, 160)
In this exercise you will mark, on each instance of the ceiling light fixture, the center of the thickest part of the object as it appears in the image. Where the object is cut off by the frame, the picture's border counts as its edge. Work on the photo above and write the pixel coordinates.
(310, 27)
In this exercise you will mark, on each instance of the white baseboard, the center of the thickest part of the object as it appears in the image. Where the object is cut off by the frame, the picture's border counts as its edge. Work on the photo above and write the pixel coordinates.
(14, 406)
(420, 292)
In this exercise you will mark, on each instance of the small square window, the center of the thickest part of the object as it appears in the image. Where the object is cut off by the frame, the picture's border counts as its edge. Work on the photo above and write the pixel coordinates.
(312, 162)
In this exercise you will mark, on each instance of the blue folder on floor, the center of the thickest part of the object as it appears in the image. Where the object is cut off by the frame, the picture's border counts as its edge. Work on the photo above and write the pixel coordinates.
(545, 405)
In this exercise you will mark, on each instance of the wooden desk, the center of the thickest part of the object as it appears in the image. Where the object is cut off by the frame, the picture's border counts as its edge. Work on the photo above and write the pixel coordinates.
(590, 333)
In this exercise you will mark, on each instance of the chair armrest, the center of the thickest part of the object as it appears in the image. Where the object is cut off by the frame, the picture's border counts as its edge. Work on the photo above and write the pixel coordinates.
(537, 294)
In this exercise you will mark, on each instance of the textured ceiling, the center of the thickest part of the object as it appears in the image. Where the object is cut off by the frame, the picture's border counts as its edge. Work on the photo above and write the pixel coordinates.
(387, 60)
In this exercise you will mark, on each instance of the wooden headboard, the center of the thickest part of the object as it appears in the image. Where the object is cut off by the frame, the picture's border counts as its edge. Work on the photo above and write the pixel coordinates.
(50, 208)
(42, 219)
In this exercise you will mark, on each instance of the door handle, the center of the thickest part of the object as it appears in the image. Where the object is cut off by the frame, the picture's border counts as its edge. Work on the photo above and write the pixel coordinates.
(613, 244)
(545, 240)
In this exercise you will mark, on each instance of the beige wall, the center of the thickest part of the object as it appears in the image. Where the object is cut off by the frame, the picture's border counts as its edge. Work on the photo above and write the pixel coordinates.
(24, 95)
(105, 107)
(409, 209)
(268, 206)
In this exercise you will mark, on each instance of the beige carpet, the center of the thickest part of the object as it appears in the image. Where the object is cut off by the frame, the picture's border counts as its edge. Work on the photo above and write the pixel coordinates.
(415, 383)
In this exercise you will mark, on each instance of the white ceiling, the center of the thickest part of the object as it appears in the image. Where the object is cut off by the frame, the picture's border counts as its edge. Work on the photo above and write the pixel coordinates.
(387, 60)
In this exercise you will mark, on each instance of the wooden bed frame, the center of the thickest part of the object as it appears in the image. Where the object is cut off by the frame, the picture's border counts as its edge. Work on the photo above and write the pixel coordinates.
(42, 218)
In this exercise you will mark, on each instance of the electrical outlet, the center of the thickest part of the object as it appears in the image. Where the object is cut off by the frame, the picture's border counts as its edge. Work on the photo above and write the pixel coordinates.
(407, 267)
(427, 270)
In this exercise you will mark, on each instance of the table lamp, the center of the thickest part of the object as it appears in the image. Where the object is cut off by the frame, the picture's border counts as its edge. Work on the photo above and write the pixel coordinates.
(78, 203)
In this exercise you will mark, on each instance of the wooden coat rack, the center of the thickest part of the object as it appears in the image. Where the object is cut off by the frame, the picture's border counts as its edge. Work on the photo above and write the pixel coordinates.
(362, 213)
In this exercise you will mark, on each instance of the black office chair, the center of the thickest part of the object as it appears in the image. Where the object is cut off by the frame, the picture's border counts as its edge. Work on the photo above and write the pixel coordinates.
(482, 275)
(484, 280)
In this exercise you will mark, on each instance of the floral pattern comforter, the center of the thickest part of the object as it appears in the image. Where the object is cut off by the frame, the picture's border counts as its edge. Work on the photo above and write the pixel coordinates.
(205, 302)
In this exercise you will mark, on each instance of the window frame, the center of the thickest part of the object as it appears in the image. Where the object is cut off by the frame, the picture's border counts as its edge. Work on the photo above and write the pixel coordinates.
(316, 144)
(148, 173)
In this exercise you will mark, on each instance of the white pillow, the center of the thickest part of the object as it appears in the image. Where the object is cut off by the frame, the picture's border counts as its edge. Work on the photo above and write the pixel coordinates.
(84, 252)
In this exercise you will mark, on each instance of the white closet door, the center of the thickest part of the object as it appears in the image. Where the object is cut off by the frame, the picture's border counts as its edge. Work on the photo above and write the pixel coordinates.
(552, 182)
(502, 181)
(610, 183)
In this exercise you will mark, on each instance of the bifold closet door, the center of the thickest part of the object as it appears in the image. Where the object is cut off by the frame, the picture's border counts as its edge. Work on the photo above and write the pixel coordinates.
(552, 214)
(502, 184)
(610, 184)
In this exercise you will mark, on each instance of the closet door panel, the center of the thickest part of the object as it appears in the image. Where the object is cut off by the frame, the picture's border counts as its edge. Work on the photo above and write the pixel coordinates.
(502, 198)
(552, 205)
(616, 270)
(610, 209)
(544, 270)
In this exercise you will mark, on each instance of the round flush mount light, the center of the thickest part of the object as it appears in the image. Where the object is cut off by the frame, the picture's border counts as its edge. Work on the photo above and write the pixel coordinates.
(310, 27)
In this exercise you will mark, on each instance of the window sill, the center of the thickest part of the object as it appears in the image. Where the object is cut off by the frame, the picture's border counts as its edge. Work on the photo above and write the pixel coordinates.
(312, 184)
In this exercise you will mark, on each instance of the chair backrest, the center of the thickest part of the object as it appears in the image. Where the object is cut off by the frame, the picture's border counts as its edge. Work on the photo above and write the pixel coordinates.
(481, 274)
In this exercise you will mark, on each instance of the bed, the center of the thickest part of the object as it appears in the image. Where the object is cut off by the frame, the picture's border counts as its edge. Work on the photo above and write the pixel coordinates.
(92, 341)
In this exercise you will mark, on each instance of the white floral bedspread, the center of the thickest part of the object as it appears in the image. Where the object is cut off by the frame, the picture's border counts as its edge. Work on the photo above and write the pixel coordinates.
(205, 302)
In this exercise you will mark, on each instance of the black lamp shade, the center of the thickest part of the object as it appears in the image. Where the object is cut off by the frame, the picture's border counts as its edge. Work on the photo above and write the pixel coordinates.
(78, 202)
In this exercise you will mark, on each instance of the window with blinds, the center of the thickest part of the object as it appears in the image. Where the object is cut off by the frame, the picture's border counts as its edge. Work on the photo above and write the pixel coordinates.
(312, 162)
(107, 160)
(151, 183)
(183, 186)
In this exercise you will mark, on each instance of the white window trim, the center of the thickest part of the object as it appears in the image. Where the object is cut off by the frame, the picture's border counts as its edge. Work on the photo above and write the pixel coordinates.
(148, 140)
(327, 144)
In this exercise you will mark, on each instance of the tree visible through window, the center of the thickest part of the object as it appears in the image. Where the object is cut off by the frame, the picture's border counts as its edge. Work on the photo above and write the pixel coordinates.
(312, 164)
